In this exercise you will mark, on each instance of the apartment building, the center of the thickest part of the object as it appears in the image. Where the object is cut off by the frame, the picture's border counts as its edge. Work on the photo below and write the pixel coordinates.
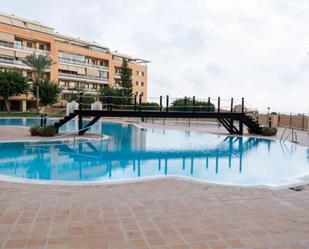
(78, 64)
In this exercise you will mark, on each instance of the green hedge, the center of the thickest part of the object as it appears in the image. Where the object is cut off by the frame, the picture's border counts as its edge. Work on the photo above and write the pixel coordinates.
(48, 131)
(266, 131)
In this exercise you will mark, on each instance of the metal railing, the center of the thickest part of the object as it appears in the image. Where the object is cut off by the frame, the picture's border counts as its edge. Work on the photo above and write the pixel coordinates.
(79, 76)
(82, 63)
(165, 104)
(292, 133)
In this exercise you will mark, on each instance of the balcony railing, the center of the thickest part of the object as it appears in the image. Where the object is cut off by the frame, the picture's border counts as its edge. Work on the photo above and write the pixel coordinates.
(67, 89)
(15, 46)
(13, 62)
(82, 63)
(86, 77)
(117, 75)
(6, 44)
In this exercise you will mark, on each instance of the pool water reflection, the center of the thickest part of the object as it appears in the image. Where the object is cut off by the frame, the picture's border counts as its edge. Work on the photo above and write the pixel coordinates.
(132, 153)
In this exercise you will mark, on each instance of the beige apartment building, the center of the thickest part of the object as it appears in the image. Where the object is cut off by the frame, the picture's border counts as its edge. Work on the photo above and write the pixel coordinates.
(78, 64)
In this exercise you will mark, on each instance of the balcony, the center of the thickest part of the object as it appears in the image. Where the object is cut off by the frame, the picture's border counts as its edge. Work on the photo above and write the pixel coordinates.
(117, 76)
(74, 90)
(83, 77)
(82, 63)
(13, 63)
(24, 48)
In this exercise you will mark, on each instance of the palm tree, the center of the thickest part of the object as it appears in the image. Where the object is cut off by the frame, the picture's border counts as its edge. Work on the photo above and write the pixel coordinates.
(40, 64)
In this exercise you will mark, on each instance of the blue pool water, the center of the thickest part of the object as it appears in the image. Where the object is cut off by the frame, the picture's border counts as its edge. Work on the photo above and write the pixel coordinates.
(132, 153)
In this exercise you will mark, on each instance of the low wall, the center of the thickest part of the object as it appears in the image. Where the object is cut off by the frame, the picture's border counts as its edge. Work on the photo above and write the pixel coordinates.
(299, 122)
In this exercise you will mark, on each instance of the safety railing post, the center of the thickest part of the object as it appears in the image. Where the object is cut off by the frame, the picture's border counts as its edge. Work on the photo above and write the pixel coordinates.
(140, 103)
(241, 121)
(193, 104)
(185, 104)
(45, 120)
(160, 103)
(80, 116)
(279, 119)
(167, 102)
(290, 119)
(42, 121)
(219, 102)
(232, 104)
(208, 104)
(135, 102)
(303, 123)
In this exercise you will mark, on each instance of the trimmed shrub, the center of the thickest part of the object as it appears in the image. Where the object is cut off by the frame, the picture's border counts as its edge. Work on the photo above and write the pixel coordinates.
(34, 130)
(266, 131)
(48, 131)
(150, 106)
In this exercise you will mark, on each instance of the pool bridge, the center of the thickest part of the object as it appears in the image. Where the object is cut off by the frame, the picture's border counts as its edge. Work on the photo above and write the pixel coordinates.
(226, 118)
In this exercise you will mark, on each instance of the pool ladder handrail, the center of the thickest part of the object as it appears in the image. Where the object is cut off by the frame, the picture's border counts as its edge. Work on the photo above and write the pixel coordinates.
(292, 132)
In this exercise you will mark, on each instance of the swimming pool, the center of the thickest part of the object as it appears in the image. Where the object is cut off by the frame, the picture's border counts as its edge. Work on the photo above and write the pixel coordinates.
(133, 153)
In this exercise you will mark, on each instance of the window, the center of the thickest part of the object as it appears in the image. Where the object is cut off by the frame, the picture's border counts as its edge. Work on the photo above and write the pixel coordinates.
(104, 74)
(117, 58)
(136, 83)
(140, 73)
(29, 75)
(17, 44)
(29, 44)
(100, 49)
(41, 46)
(117, 70)
(142, 83)
(71, 57)
(142, 94)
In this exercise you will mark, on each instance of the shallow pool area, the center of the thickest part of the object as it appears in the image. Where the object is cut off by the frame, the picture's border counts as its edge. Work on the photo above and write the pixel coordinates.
(132, 153)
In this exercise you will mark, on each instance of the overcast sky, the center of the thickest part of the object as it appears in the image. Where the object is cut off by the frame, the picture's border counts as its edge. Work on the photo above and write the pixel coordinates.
(252, 48)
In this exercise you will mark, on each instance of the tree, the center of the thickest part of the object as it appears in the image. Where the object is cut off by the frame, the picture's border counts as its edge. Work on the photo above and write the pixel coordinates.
(182, 105)
(39, 64)
(88, 99)
(12, 83)
(125, 86)
(110, 94)
(49, 92)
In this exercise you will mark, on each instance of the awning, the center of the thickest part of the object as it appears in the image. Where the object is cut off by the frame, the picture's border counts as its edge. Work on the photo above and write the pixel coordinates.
(62, 67)
(20, 54)
(93, 72)
(6, 52)
(81, 71)
(6, 37)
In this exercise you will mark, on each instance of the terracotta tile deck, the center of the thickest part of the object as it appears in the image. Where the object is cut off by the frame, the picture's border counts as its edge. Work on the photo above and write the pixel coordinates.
(159, 214)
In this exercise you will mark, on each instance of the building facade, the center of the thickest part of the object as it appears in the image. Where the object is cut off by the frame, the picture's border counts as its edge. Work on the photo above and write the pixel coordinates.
(78, 65)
